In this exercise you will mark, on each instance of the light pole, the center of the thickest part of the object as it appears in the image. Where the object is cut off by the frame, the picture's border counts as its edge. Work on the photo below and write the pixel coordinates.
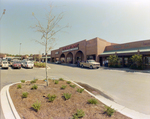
(20, 49)
(3, 14)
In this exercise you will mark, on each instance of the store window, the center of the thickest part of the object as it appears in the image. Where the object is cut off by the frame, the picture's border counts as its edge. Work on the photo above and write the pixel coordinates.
(147, 60)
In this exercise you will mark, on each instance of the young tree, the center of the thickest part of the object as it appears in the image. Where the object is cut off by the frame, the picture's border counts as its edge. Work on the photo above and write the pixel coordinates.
(137, 61)
(113, 60)
(49, 31)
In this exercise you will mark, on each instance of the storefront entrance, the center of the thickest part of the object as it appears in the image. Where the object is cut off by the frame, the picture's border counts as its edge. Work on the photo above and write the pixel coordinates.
(79, 56)
(62, 58)
(69, 57)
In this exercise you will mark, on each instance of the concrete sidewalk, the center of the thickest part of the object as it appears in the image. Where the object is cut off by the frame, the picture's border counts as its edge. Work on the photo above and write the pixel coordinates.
(126, 70)
(11, 113)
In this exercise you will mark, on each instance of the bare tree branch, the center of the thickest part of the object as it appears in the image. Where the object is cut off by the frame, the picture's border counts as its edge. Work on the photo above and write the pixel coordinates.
(48, 32)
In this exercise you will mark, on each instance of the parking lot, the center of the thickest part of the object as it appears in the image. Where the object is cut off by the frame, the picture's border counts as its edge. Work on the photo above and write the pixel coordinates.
(126, 88)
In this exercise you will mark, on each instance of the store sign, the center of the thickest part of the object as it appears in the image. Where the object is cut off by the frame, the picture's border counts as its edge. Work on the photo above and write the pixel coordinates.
(146, 43)
(56, 53)
(71, 48)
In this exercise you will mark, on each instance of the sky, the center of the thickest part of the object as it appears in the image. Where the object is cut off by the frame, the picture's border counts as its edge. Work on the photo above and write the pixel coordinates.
(116, 21)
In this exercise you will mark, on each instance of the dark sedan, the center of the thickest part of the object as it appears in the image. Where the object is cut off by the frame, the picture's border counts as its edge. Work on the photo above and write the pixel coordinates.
(16, 64)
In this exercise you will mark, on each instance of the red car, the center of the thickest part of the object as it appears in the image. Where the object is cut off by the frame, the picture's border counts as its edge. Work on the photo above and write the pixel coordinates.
(16, 64)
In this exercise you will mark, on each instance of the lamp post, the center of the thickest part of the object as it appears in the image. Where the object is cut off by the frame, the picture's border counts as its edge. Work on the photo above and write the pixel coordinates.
(20, 49)
(2, 14)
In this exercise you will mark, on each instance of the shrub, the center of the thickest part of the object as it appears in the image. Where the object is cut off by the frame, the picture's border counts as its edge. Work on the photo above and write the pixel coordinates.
(79, 114)
(93, 101)
(33, 81)
(22, 81)
(44, 79)
(67, 96)
(34, 87)
(68, 82)
(36, 105)
(39, 64)
(61, 79)
(73, 86)
(51, 98)
(109, 111)
(56, 82)
(80, 90)
(63, 86)
(113, 60)
(19, 86)
(25, 94)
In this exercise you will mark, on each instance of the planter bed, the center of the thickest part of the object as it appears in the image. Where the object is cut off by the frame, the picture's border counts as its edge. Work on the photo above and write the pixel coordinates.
(59, 108)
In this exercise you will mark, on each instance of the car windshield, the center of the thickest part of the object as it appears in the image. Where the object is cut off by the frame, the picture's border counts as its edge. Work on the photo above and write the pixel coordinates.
(17, 62)
(30, 62)
(91, 61)
(4, 62)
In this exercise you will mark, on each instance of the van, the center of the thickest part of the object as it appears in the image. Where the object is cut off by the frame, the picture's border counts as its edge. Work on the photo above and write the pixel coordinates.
(5, 64)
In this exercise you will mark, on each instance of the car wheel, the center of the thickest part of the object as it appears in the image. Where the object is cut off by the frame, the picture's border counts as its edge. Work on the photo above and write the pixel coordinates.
(91, 67)
(82, 66)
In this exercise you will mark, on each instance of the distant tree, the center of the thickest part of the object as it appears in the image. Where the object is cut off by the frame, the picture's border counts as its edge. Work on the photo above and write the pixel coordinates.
(48, 32)
(31, 55)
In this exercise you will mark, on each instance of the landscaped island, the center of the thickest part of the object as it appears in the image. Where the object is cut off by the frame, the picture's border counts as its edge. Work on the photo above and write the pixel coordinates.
(60, 100)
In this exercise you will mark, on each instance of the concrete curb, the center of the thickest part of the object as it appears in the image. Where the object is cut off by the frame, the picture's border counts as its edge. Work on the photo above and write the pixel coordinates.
(12, 105)
(123, 110)
(10, 112)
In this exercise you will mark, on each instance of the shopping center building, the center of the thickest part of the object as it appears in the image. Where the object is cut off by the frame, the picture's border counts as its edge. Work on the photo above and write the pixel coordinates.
(99, 49)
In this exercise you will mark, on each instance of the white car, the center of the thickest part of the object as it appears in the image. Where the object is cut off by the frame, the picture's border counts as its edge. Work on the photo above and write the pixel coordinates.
(28, 64)
(5, 64)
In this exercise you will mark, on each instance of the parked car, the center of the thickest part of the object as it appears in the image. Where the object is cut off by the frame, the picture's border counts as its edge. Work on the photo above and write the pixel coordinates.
(5, 64)
(90, 63)
(16, 64)
(58, 62)
(28, 64)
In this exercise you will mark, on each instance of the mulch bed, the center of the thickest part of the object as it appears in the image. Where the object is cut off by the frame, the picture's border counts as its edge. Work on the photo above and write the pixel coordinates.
(60, 108)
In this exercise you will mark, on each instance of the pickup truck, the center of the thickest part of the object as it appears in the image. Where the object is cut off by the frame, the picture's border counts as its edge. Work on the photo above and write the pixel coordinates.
(90, 64)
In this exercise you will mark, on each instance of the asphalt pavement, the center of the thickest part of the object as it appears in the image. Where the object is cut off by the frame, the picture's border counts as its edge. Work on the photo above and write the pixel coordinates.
(130, 89)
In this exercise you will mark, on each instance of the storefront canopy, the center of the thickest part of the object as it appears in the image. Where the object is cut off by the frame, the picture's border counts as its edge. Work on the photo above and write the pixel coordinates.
(135, 50)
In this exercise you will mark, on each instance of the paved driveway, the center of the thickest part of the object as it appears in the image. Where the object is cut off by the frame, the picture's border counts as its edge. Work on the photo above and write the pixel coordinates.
(128, 89)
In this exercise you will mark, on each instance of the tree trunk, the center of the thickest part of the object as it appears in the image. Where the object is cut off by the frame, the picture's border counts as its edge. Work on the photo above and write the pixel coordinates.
(46, 59)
